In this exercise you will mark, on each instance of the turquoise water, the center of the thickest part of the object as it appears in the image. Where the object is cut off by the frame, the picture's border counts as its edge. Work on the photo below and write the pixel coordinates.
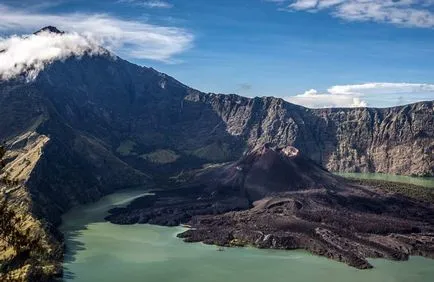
(421, 181)
(101, 251)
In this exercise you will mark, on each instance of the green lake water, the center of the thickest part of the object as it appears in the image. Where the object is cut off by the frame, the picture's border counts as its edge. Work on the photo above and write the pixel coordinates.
(101, 251)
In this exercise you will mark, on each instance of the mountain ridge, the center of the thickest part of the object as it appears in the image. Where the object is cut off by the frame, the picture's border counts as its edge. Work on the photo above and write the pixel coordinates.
(116, 103)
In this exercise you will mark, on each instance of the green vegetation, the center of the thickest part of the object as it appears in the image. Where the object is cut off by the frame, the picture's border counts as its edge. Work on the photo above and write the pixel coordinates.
(216, 152)
(161, 157)
(419, 181)
(409, 190)
(126, 148)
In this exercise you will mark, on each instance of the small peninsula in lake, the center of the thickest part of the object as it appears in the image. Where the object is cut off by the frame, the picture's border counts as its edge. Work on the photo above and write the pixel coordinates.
(278, 199)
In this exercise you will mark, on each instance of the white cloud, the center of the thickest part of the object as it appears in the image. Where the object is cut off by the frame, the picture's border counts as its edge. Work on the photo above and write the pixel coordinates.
(305, 4)
(381, 88)
(28, 55)
(313, 99)
(411, 13)
(149, 3)
(128, 38)
(363, 95)
(157, 4)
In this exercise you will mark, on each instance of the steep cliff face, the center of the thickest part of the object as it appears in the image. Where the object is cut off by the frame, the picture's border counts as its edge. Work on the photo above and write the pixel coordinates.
(396, 140)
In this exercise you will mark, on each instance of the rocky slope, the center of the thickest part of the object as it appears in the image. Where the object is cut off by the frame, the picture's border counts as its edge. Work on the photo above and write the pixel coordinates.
(90, 125)
(276, 198)
(395, 140)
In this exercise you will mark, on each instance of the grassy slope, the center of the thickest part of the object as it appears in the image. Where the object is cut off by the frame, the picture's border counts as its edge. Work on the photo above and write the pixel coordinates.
(409, 190)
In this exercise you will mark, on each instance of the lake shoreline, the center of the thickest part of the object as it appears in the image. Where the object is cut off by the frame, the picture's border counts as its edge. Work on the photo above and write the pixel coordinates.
(172, 239)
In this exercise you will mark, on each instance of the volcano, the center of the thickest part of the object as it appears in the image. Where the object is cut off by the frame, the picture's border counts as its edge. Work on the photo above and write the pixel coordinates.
(277, 198)
(267, 170)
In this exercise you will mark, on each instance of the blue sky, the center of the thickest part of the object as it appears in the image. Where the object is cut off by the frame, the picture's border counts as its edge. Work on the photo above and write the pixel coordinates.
(382, 51)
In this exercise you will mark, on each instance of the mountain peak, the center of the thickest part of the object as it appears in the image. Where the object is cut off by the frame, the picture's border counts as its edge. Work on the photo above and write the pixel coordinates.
(50, 29)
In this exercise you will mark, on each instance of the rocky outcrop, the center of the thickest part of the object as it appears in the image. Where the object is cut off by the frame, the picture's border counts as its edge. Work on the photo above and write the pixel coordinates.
(395, 140)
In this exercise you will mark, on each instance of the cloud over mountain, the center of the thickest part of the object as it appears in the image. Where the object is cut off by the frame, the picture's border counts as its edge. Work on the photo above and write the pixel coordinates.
(363, 95)
(313, 99)
(28, 55)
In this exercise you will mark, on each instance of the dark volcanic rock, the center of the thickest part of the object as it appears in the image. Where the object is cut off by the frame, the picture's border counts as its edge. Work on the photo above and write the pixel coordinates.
(171, 208)
(276, 198)
(346, 226)
(267, 170)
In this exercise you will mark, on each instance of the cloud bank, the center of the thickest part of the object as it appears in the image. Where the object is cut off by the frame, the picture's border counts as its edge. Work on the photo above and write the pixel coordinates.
(28, 55)
(410, 13)
(127, 38)
(363, 95)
